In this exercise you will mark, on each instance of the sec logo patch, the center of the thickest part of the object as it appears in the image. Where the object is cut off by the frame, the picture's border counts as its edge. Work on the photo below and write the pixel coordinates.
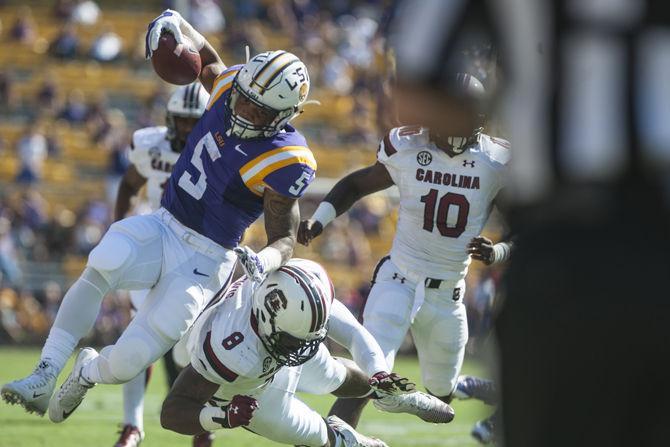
(424, 158)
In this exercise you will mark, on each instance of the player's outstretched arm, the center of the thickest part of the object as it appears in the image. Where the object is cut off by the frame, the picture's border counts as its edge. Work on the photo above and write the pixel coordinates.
(344, 194)
(184, 410)
(344, 329)
(172, 22)
(130, 185)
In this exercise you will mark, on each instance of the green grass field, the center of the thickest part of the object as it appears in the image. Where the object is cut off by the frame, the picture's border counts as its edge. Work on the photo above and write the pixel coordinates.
(95, 422)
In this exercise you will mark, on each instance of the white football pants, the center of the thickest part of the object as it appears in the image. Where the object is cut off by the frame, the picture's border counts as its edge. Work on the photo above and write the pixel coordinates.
(183, 269)
(436, 318)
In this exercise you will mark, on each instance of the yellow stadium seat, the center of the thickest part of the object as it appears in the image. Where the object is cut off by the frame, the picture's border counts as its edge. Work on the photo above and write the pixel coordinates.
(9, 167)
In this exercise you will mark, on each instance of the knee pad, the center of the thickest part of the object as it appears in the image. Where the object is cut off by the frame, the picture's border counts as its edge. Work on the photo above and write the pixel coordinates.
(109, 257)
(381, 323)
(388, 318)
(129, 357)
(389, 330)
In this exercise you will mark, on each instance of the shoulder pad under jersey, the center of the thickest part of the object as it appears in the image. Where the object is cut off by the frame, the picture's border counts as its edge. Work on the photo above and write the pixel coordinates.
(149, 137)
(403, 139)
(222, 84)
(145, 141)
(495, 149)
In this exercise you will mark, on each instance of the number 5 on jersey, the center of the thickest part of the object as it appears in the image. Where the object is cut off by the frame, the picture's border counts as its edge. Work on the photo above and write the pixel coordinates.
(197, 189)
(299, 184)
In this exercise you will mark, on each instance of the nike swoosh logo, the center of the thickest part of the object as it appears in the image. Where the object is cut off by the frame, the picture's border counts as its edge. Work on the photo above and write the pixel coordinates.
(196, 272)
(35, 395)
(237, 148)
(66, 414)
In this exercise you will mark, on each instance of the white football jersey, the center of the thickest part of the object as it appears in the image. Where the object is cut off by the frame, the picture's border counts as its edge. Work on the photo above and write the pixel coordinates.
(153, 157)
(444, 201)
(225, 347)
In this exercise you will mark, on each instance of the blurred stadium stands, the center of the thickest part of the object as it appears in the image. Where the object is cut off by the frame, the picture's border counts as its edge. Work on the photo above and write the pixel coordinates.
(66, 120)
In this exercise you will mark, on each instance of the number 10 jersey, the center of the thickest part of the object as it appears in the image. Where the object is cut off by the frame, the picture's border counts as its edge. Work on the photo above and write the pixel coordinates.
(444, 201)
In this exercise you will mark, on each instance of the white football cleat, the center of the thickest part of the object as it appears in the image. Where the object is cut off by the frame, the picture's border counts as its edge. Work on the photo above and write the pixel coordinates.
(32, 392)
(427, 407)
(350, 437)
(71, 393)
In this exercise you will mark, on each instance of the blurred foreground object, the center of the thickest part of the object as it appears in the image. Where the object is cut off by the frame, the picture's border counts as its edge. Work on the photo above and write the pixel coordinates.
(585, 99)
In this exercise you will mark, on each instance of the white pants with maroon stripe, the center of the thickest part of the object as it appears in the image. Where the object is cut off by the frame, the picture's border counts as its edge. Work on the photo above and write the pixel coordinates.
(436, 317)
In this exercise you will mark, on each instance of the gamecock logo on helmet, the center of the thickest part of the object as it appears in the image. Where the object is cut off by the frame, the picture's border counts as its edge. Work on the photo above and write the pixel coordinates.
(274, 301)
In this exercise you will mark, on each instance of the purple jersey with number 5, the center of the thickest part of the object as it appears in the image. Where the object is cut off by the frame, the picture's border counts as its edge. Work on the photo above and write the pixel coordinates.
(217, 185)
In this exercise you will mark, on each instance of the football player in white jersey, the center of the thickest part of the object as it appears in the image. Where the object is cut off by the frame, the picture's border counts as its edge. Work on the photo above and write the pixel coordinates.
(447, 188)
(251, 351)
(153, 152)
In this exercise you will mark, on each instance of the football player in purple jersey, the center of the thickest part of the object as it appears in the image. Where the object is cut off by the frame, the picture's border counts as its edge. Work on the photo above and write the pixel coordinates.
(242, 159)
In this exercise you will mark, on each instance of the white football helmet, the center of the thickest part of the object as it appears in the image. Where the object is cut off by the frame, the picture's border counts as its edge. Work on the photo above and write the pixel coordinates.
(187, 101)
(275, 81)
(291, 307)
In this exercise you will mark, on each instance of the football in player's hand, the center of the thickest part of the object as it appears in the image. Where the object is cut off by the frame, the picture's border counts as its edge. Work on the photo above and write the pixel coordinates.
(176, 64)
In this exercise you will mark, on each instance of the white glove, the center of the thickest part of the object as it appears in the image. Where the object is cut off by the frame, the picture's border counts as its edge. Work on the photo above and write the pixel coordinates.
(172, 22)
(169, 21)
(251, 263)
